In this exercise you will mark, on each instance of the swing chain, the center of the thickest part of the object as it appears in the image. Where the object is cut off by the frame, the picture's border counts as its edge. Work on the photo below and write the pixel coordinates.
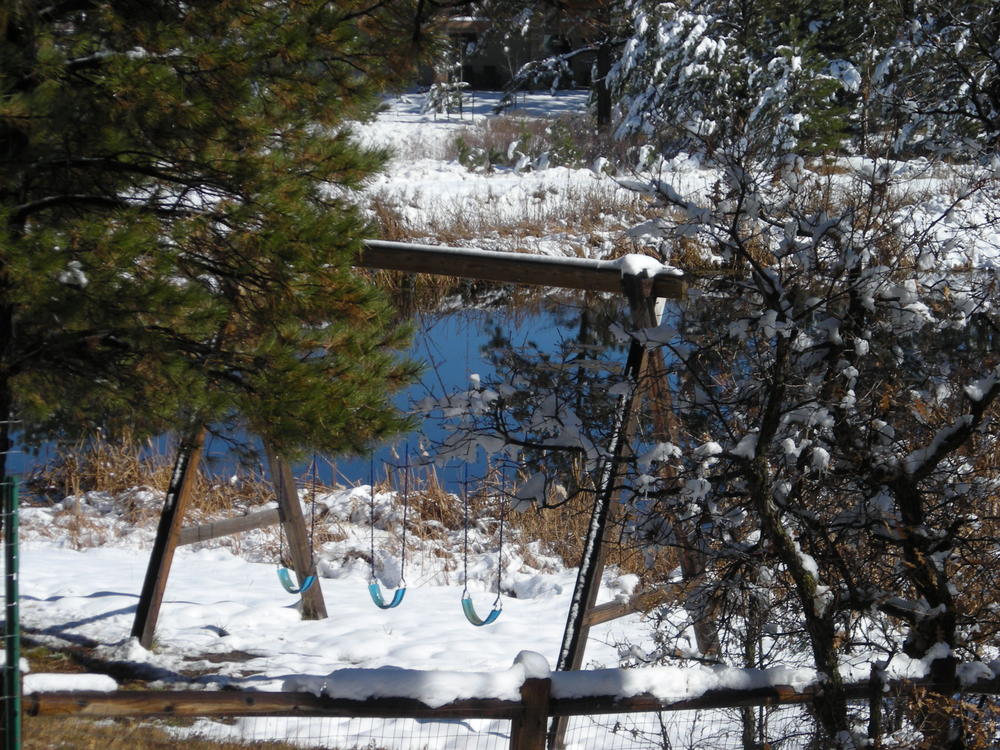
(503, 491)
(406, 506)
(372, 578)
(281, 542)
(312, 509)
(465, 530)
(371, 519)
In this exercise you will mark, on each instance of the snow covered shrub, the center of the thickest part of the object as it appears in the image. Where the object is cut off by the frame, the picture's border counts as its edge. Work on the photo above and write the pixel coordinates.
(713, 75)
(829, 462)
(939, 80)
(446, 98)
(824, 457)
(525, 143)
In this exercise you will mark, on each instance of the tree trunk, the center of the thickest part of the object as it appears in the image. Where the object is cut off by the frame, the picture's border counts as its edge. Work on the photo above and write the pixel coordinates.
(603, 97)
(603, 93)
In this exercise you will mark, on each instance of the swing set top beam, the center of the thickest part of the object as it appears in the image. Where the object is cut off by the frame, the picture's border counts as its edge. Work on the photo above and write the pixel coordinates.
(514, 268)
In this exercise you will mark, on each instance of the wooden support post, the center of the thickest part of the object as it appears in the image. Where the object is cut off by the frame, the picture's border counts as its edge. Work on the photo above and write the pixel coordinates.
(294, 526)
(167, 533)
(527, 731)
(588, 580)
(228, 527)
(692, 559)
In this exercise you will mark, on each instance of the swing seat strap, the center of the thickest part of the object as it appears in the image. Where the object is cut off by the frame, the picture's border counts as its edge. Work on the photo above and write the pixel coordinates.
(376, 594)
(470, 611)
(285, 576)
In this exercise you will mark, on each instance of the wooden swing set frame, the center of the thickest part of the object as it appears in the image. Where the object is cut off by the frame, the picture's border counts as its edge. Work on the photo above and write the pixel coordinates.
(641, 291)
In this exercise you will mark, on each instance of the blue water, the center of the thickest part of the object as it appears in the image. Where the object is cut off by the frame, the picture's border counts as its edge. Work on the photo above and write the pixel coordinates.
(452, 347)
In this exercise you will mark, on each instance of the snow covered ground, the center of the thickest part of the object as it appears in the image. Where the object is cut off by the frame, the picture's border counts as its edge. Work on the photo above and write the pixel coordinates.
(218, 602)
(532, 205)
(226, 622)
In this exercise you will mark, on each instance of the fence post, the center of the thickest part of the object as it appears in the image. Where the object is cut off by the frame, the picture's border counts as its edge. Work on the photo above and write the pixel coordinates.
(528, 731)
(12, 625)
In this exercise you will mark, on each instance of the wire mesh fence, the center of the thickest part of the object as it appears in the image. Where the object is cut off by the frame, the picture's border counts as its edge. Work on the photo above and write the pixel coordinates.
(783, 727)
(360, 733)
(11, 715)
(777, 728)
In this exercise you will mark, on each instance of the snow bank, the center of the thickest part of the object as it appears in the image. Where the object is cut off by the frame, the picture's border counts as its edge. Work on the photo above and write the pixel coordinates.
(438, 687)
(674, 683)
(43, 682)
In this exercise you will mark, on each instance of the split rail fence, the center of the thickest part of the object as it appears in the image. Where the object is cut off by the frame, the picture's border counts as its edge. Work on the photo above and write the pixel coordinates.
(529, 717)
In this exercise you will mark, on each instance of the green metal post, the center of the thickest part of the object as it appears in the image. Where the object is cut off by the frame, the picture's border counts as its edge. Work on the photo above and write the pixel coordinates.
(12, 624)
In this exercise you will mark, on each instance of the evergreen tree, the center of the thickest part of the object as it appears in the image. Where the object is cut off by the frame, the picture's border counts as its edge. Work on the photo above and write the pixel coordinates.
(178, 223)
(703, 75)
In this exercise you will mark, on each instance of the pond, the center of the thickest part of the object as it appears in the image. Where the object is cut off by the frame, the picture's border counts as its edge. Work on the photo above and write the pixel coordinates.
(470, 341)
(471, 345)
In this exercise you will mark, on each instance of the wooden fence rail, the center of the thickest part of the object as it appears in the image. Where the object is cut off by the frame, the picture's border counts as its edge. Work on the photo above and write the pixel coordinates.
(529, 716)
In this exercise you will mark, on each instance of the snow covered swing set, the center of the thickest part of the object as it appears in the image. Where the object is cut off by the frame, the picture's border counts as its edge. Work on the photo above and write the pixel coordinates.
(641, 279)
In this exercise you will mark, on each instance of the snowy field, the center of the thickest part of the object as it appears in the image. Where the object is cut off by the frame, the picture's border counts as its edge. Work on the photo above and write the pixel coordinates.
(227, 623)
(531, 205)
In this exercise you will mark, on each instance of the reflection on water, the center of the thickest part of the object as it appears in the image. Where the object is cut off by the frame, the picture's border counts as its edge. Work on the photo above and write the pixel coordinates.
(470, 340)
(476, 341)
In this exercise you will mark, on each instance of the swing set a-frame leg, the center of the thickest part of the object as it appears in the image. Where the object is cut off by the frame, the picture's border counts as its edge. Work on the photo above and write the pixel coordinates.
(637, 291)
(294, 525)
(172, 517)
(178, 497)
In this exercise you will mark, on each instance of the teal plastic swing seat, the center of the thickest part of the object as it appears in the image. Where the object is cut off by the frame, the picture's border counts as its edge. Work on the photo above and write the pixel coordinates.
(376, 594)
(470, 611)
(285, 576)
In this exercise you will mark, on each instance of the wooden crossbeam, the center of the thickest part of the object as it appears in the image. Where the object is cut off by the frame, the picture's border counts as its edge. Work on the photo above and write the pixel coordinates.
(193, 703)
(641, 602)
(228, 526)
(513, 268)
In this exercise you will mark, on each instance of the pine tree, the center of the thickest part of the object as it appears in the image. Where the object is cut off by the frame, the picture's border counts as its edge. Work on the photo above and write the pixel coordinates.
(176, 193)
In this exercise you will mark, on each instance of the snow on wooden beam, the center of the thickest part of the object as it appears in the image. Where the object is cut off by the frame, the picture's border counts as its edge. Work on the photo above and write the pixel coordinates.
(521, 268)
(207, 703)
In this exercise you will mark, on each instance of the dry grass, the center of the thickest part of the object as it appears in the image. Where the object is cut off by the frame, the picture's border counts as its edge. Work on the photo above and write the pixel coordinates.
(126, 466)
(61, 733)
(46, 733)
(562, 531)
(585, 217)
(571, 140)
